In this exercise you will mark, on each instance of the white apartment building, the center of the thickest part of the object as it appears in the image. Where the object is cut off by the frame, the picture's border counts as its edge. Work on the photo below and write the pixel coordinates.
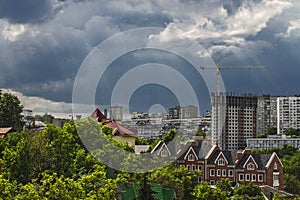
(288, 113)
(271, 142)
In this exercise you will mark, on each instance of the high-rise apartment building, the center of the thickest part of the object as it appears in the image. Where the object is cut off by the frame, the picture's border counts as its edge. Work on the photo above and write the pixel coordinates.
(233, 120)
(218, 110)
(266, 113)
(175, 112)
(288, 113)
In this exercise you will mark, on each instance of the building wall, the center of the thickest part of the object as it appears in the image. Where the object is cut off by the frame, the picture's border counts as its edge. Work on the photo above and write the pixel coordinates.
(125, 139)
(116, 112)
(288, 113)
(271, 143)
(240, 121)
(266, 113)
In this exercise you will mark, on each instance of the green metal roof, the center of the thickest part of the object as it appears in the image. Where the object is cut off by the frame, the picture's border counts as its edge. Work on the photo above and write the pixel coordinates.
(131, 192)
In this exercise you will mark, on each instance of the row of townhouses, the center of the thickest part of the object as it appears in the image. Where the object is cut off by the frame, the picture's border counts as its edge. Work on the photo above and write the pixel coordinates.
(215, 164)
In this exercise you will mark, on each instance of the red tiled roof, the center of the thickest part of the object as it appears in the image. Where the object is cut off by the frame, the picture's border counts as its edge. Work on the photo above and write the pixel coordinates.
(97, 114)
(121, 129)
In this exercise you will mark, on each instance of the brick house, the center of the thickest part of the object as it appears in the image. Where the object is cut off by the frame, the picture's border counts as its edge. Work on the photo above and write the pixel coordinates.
(216, 164)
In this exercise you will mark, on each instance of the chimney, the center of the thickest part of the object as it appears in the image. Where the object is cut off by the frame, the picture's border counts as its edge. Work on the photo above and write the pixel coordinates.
(105, 112)
(239, 155)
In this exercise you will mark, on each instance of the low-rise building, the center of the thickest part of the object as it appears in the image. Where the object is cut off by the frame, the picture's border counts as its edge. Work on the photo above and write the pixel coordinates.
(272, 141)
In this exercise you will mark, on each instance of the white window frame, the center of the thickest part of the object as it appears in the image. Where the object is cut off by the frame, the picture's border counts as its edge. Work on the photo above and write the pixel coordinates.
(275, 166)
(230, 171)
(241, 177)
(164, 153)
(191, 157)
(181, 165)
(250, 164)
(200, 168)
(253, 178)
(221, 162)
(247, 177)
(194, 167)
(224, 173)
(188, 167)
(218, 172)
(260, 178)
(212, 172)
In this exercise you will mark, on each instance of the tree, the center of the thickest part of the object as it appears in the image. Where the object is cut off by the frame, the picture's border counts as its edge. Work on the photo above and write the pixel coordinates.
(145, 191)
(180, 179)
(10, 112)
(225, 185)
(272, 131)
(204, 191)
(248, 191)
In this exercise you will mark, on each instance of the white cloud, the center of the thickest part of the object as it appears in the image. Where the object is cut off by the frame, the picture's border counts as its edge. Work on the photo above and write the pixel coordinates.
(11, 32)
(293, 30)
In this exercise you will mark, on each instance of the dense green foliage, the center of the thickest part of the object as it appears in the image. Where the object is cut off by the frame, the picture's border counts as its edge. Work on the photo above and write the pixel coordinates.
(290, 157)
(10, 111)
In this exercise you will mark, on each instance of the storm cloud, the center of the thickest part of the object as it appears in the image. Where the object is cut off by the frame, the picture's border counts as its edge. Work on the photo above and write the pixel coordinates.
(44, 42)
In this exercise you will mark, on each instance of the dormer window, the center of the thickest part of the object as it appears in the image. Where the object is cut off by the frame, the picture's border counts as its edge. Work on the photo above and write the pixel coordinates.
(191, 157)
(250, 166)
(164, 153)
(221, 161)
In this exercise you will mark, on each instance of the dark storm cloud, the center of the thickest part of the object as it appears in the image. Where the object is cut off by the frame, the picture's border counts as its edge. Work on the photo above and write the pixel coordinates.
(43, 42)
(28, 11)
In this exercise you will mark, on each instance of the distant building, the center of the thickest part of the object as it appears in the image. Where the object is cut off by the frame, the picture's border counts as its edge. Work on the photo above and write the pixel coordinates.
(288, 113)
(266, 113)
(271, 142)
(116, 112)
(189, 111)
(175, 112)
(218, 110)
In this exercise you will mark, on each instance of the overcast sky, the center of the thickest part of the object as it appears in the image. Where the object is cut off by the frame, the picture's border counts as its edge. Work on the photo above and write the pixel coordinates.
(44, 42)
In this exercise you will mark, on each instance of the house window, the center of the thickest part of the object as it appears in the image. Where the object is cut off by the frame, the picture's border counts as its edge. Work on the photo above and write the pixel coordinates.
(191, 157)
(260, 178)
(241, 177)
(218, 172)
(194, 167)
(164, 153)
(200, 168)
(253, 177)
(275, 166)
(199, 179)
(247, 177)
(276, 179)
(188, 167)
(250, 166)
(221, 161)
(212, 172)
(224, 172)
(230, 173)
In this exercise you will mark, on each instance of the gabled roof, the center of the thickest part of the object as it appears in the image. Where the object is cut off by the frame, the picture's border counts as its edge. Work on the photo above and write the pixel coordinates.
(260, 159)
(194, 149)
(98, 115)
(118, 128)
(4, 131)
(229, 156)
(170, 145)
